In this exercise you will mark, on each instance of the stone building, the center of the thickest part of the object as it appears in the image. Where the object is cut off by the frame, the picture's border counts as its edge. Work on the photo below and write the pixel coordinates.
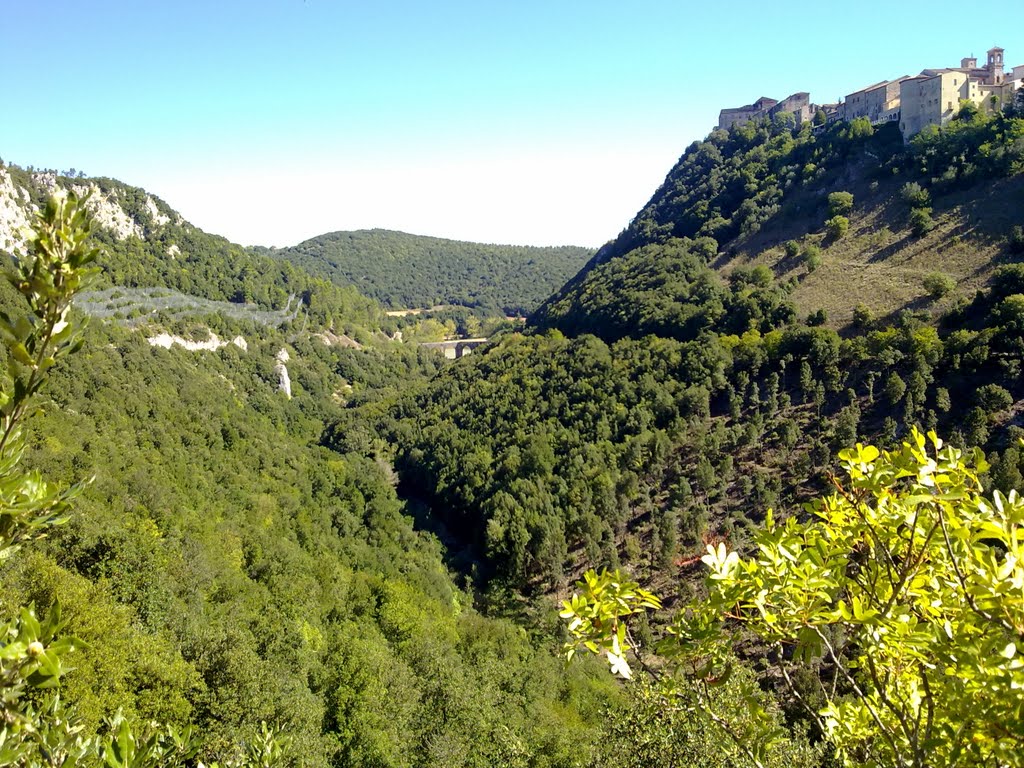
(930, 98)
(833, 112)
(933, 99)
(879, 103)
(934, 96)
(991, 74)
(1016, 78)
(798, 104)
(727, 118)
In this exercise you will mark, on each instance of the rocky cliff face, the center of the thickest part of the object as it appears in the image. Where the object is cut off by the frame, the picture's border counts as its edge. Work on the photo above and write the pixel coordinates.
(15, 213)
(211, 344)
(284, 382)
(18, 192)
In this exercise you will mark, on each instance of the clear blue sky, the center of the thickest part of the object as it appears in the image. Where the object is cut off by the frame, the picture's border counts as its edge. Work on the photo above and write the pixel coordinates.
(270, 121)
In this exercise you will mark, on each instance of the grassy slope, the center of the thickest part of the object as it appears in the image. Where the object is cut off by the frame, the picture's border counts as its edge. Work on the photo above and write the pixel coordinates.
(755, 189)
(880, 263)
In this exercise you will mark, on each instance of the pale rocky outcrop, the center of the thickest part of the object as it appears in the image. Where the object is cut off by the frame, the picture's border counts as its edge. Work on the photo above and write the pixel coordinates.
(17, 210)
(106, 210)
(166, 340)
(110, 215)
(284, 382)
(159, 219)
(212, 344)
(15, 214)
(331, 339)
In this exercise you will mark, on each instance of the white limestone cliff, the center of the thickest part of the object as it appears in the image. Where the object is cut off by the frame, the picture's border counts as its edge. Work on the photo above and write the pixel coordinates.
(284, 382)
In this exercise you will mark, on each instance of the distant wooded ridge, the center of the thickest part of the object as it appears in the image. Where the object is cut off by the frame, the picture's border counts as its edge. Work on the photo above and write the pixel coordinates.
(408, 271)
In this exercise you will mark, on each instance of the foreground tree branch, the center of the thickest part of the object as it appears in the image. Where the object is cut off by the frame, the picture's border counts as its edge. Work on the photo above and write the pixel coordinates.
(933, 621)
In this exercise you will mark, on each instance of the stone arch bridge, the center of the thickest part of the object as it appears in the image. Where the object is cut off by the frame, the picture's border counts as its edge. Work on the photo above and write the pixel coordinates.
(455, 348)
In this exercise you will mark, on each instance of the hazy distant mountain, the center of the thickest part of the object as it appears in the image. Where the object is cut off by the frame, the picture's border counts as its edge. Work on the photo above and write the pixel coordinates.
(407, 271)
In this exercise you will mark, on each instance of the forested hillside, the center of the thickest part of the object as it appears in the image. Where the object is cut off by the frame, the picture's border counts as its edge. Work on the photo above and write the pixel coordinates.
(708, 366)
(412, 271)
(250, 575)
(844, 216)
(697, 391)
(226, 572)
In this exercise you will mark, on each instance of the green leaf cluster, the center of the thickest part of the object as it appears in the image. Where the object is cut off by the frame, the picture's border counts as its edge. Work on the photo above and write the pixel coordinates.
(905, 583)
(594, 619)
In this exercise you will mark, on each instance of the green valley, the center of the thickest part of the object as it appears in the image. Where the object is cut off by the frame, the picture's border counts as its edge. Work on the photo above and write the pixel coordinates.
(228, 578)
(364, 567)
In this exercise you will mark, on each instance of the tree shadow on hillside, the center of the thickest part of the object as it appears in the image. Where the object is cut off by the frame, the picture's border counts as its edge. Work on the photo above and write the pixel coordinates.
(888, 251)
(722, 259)
(459, 556)
(991, 207)
(920, 304)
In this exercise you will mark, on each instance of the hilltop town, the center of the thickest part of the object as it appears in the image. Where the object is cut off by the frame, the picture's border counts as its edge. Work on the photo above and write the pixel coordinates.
(931, 98)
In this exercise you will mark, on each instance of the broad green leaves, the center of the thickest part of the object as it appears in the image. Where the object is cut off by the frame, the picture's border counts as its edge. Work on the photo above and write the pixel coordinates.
(59, 264)
(595, 616)
(30, 650)
(907, 584)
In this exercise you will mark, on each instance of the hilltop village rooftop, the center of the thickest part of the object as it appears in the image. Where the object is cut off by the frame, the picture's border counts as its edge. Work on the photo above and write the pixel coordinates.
(931, 98)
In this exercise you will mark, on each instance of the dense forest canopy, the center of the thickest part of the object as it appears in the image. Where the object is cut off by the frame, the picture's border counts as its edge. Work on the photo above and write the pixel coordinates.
(705, 398)
(257, 576)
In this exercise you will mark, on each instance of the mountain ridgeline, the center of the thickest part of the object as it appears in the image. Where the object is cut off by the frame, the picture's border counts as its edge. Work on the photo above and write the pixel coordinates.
(413, 271)
(147, 244)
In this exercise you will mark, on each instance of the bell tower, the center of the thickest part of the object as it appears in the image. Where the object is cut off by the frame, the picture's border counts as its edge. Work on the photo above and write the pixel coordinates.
(995, 66)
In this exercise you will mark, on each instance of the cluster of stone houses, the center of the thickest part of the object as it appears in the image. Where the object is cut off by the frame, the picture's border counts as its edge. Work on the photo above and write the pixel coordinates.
(930, 98)
(799, 105)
